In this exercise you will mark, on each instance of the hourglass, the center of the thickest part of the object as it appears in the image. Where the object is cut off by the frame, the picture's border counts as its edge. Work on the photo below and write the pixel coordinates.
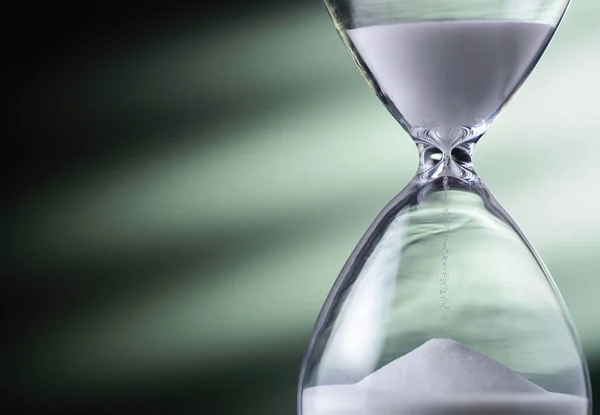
(444, 307)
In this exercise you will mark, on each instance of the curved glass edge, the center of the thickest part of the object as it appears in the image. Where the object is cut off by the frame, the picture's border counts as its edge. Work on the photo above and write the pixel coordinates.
(413, 195)
(345, 16)
(351, 14)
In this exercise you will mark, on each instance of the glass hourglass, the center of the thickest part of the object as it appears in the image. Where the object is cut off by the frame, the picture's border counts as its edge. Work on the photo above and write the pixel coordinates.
(444, 307)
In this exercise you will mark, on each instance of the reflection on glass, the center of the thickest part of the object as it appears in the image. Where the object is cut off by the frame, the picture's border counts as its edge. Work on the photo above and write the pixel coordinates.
(444, 307)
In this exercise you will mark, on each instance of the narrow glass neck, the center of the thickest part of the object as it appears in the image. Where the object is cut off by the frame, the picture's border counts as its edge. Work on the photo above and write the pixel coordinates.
(453, 161)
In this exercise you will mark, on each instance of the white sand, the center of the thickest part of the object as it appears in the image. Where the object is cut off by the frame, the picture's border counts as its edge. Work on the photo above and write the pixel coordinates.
(449, 73)
(441, 377)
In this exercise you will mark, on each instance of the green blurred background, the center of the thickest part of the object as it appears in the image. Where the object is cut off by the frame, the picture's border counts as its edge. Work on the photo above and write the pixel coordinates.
(185, 182)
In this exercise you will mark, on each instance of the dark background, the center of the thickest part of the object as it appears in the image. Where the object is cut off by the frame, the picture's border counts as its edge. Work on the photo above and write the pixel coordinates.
(53, 142)
(48, 44)
(80, 110)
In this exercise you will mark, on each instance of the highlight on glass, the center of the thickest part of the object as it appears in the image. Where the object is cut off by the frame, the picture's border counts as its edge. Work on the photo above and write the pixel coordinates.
(444, 307)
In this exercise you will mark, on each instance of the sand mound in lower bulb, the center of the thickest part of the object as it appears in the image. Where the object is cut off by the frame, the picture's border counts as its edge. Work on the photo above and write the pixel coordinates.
(441, 377)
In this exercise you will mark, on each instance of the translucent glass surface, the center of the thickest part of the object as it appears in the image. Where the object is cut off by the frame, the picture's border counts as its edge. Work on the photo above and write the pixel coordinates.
(349, 14)
(443, 275)
(444, 307)
(445, 65)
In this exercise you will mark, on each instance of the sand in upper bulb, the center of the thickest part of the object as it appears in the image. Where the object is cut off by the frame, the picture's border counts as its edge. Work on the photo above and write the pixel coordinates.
(450, 73)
